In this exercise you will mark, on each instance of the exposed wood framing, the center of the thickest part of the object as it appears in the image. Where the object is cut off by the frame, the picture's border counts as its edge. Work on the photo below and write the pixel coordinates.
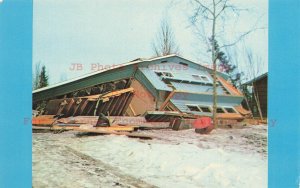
(113, 103)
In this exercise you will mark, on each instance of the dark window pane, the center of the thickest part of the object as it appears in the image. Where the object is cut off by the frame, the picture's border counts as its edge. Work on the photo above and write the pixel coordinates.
(193, 108)
(230, 110)
(205, 109)
(220, 110)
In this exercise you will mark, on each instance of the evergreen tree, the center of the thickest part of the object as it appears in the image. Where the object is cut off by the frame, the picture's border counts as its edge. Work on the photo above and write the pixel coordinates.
(40, 77)
(43, 81)
(225, 64)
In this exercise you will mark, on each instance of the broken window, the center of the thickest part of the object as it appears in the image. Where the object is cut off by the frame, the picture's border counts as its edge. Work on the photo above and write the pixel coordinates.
(205, 108)
(159, 73)
(220, 110)
(166, 74)
(230, 110)
(193, 108)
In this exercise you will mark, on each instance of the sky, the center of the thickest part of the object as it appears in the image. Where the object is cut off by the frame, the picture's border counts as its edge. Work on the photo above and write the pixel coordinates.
(112, 32)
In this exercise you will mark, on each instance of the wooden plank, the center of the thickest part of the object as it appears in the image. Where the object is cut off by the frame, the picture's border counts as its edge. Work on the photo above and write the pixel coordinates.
(43, 120)
(116, 101)
(61, 107)
(127, 103)
(67, 111)
(132, 135)
(82, 107)
(90, 127)
(119, 92)
(111, 94)
(167, 100)
(104, 106)
(107, 108)
(120, 105)
(76, 106)
(91, 108)
(132, 110)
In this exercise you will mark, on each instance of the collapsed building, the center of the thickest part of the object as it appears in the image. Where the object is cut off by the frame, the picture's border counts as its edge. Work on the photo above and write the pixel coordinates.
(169, 83)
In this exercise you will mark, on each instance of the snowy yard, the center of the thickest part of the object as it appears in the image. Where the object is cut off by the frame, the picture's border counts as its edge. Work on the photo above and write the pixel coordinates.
(225, 158)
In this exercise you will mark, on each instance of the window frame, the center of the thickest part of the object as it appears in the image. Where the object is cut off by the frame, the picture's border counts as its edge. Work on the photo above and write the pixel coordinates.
(209, 107)
(163, 74)
(193, 105)
(235, 112)
(200, 77)
(208, 80)
(221, 107)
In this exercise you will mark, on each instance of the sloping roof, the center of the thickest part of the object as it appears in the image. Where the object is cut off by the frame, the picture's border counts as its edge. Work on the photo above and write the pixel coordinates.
(135, 61)
(256, 79)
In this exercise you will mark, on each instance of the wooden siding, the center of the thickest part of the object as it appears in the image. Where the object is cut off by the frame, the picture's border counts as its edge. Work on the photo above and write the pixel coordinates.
(261, 87)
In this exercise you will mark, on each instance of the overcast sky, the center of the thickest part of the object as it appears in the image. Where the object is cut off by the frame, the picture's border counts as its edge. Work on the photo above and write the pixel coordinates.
(110, 32)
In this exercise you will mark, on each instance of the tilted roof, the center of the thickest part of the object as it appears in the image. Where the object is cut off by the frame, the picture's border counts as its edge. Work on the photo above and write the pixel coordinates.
(135, 61)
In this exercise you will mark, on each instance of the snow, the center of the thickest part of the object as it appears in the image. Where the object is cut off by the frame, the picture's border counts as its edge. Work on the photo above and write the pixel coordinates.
(182, 165)
(225, 158)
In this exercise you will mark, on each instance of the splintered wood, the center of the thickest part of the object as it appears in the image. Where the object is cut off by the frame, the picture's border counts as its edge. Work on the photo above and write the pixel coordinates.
(113, 103)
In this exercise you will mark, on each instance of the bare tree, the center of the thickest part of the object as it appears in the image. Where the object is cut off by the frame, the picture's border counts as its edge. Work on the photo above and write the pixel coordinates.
(164, 43)
(213, 14)
(254, 64)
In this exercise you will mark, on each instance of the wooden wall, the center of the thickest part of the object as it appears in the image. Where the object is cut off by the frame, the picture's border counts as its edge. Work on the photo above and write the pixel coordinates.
(261, 87)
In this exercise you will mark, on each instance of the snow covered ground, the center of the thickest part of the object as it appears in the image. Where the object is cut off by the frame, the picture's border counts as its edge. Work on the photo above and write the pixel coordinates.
(224, 158)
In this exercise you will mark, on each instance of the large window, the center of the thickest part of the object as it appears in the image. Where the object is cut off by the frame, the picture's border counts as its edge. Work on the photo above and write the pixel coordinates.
(209, 109)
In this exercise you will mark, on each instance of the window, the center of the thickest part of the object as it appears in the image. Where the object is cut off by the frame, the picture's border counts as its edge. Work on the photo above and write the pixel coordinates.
(205, 108)
(159, 73)
(184, 64)
(199, 108)
(230, 110)
(204, 78)
(193, 108)
(163, 61)
(196, 77)
(166, 74)
(200, 77)
(220, 110)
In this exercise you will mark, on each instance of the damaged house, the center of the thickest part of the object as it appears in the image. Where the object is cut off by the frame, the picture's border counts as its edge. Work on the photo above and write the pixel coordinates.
(168, 83)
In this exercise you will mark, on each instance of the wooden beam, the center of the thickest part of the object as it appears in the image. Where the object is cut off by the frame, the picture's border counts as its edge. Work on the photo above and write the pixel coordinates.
(127, 103)
(132, 110)
(167, 100)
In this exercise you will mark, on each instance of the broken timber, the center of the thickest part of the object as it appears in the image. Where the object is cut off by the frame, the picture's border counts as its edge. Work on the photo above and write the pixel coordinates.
(164, 116)
(113, 103)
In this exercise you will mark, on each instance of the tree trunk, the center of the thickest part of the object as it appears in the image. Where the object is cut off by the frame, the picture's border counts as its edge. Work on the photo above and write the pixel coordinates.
(214, 59)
